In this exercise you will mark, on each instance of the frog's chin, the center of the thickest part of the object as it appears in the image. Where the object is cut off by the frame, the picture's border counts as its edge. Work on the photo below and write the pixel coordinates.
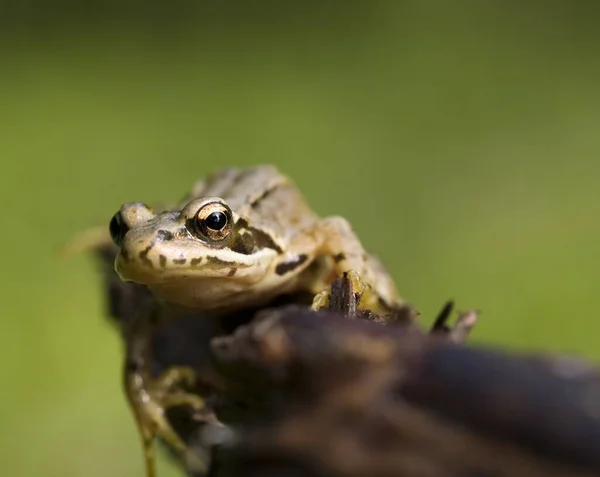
(217, 296)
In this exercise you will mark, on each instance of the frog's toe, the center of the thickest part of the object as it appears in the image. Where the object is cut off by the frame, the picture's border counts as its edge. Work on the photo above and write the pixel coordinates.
(175, 377)
(151, 402)
(366, 296)
(184, 399)
(321, 300)
(167, 389)
(358, 284)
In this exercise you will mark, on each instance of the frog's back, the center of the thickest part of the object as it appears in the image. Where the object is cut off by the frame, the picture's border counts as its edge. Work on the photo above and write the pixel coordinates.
(261, 195)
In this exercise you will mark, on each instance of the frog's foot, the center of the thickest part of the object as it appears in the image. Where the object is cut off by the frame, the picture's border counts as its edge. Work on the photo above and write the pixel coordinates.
(348, 258)
(367, 298)
(175, 377)
(321, 300)
(150, 400)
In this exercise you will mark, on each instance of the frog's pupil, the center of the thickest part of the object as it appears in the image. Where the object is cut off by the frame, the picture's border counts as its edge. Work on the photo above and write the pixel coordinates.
(216, 221)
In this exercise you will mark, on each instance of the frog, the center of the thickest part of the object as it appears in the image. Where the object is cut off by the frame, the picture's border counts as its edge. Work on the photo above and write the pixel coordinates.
(240, 238)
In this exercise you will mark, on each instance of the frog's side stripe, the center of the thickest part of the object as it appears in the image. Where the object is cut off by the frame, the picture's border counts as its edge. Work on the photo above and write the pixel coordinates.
(252, 179)
(218, 261)
(285, 267)
(267, 192)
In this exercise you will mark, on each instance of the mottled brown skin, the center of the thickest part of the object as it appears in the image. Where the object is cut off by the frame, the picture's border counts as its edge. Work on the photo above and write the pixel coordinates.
(276, 245)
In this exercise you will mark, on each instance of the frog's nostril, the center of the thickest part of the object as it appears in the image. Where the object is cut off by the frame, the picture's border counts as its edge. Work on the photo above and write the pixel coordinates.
(117, 228)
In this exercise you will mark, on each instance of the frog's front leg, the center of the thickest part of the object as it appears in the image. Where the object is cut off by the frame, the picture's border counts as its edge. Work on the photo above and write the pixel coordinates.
(368, 276)
(150, 397)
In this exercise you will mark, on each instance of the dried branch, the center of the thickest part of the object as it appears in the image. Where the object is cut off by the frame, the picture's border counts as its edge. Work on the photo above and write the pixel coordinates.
(350, 398)
(344, 393)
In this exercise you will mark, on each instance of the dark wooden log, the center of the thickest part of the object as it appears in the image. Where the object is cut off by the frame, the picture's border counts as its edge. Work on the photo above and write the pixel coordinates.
(350, 398)
(339, 393)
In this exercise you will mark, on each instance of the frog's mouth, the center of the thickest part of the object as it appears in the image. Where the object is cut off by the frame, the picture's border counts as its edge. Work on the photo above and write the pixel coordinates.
(157, 268)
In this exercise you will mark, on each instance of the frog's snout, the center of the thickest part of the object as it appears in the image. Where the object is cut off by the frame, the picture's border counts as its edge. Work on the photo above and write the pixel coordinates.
(127, 217)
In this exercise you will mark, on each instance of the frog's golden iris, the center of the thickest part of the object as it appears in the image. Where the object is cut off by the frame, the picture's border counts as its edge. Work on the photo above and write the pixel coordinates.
(212, 222)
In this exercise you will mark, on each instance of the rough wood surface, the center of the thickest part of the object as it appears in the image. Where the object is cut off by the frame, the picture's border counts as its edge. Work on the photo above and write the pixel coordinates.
(350, 398)
(337, 393)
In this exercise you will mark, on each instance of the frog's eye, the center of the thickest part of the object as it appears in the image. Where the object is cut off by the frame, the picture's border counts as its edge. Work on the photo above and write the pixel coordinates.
(117, 228)
(213, 221)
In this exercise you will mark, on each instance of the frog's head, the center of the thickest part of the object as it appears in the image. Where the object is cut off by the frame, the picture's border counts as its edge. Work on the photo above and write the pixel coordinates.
(191, 255)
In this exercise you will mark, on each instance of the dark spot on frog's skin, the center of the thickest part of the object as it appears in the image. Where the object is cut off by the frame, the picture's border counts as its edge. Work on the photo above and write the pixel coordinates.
(144, 256)
(244, 243)
(218, 261)
(164, 235)
(232, 272)
(179, 261)
(124, 255)
(195, 261)
(162, 260)
(338, 257)
(286, 267)
(263, 240)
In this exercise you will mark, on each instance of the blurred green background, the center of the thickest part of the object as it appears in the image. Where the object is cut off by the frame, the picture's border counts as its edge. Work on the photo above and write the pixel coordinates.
(460, 138)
